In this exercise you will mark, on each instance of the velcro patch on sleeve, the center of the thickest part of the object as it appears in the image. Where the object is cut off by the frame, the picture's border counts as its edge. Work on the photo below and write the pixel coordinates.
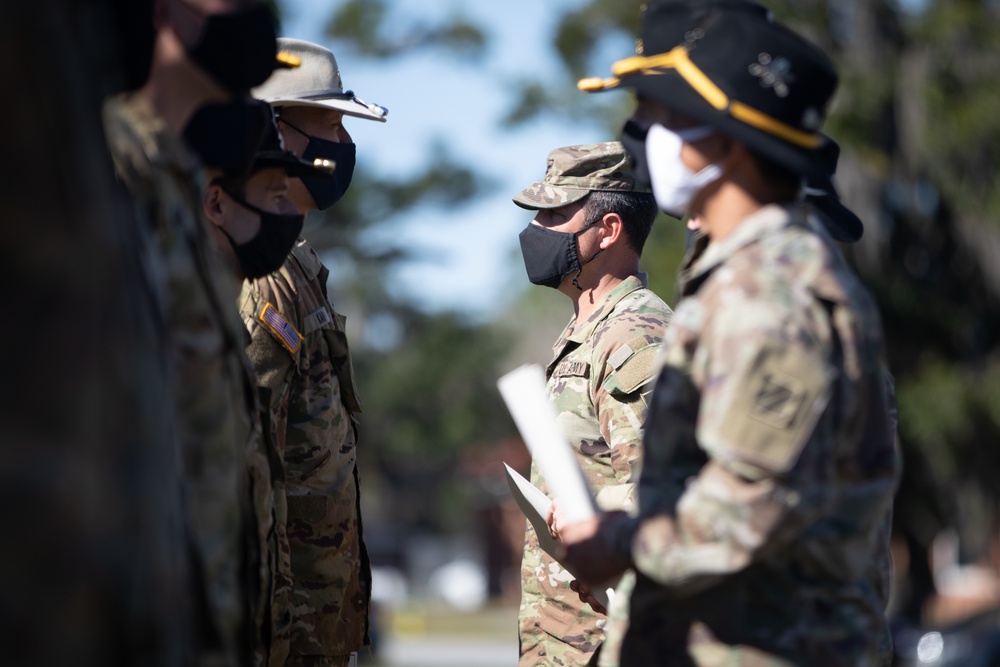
(638, 370)
(282, 330)
(634, 366)
(775, 407)
(620, 356)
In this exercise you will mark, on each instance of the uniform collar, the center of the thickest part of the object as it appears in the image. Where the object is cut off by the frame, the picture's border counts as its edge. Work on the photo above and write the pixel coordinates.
(307, 258)
(709, 255)
(584, 331)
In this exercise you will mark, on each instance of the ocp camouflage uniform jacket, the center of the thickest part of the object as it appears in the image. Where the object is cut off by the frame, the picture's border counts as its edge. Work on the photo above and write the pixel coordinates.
(299, 349)
(225, 474)
(769, 463)
(599, 378)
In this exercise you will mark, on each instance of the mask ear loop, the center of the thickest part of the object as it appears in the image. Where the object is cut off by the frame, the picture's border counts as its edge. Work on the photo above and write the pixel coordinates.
(285, 121)
(592, 257)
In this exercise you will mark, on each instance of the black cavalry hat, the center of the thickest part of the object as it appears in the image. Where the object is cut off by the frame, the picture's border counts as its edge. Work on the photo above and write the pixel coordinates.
(729, 65)
(839, 220)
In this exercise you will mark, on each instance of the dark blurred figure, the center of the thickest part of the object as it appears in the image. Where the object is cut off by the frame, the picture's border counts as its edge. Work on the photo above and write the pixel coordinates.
(193, 112)
(93, 567)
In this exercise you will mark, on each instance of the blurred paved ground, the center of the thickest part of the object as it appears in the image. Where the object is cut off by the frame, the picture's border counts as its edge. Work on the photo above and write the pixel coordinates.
(437, 636)
(448, 652)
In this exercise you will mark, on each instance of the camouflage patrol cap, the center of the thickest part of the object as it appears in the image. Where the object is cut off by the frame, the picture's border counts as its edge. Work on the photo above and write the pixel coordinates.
(573, 172)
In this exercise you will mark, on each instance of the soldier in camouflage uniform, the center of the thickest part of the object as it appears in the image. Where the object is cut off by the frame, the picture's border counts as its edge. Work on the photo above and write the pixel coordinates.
(585, 241)
(299, 348)
(224, 468)
(254, 224)
(769, 463)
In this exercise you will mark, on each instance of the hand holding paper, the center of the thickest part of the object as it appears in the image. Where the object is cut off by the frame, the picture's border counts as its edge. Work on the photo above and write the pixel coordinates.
(535, 506)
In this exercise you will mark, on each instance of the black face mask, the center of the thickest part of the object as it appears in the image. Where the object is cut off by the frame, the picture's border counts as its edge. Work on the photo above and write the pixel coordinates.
(327, 191)
(237, 49)
(226, 136)
(267, 251)
(633, 138)
(550, 255)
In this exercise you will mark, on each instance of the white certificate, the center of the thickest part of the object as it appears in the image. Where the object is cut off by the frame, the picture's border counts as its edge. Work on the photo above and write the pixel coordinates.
(535, 506)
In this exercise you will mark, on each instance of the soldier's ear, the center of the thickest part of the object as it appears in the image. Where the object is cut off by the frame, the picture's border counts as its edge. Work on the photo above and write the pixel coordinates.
(212, 205)
(614, 229)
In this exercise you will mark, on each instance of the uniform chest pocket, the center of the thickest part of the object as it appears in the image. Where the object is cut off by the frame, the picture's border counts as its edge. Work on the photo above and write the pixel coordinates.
(340, 356)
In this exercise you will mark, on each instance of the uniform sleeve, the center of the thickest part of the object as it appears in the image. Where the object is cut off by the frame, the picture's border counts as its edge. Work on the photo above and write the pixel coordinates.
(273, 364)
(765, 383)
(621, 401)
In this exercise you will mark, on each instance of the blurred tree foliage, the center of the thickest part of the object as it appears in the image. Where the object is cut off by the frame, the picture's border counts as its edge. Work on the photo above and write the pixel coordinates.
(922, 136)
(364, 25)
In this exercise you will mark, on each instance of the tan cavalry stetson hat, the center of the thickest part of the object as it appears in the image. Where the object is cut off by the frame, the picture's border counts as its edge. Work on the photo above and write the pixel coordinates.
(314, 82)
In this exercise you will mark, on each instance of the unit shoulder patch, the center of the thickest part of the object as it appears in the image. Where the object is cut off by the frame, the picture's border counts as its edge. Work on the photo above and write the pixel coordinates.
(286, 334)
(634, 366)
(775, 407)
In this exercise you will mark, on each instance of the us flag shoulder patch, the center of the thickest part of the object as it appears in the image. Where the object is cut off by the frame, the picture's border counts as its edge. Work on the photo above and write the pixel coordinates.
(282, 330)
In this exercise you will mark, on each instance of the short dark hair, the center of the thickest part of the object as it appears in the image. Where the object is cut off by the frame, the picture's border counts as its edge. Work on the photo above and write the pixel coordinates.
(636, 209)
(234, 186)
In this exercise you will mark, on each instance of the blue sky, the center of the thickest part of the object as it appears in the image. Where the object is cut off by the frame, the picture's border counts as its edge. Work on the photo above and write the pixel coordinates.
(475, 265)
(473, 262)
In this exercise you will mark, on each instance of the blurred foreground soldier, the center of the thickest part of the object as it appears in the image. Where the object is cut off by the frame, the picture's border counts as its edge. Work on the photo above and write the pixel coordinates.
(585, 241)
(92, 564)
(192, 113)
(299, 350)
(768, 461)
(843, 225)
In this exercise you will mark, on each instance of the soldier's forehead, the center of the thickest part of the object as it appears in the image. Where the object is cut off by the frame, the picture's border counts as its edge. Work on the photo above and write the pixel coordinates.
(270, 177)
(319, 115)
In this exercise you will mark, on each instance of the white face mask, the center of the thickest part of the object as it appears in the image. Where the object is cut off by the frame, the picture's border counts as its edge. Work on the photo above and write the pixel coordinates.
(674, 185)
